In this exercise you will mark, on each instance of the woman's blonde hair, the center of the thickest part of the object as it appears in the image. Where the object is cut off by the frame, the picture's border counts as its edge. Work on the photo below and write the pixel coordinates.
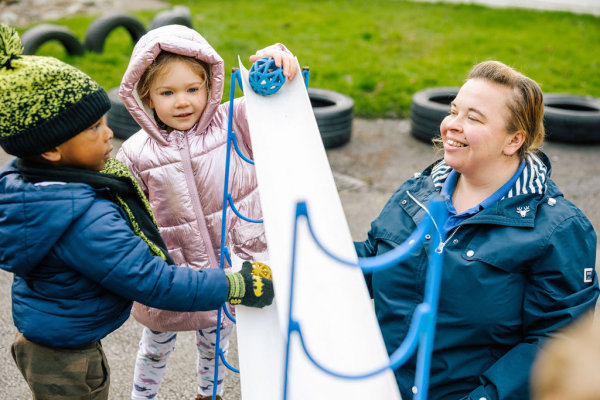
(159, 65)
(526, 106)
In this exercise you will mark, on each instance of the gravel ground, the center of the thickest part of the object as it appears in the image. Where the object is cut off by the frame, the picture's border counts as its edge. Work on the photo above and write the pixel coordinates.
(26, 12)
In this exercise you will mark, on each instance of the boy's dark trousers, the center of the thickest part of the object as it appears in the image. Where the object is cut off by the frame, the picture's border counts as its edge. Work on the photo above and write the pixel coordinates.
(54, 373)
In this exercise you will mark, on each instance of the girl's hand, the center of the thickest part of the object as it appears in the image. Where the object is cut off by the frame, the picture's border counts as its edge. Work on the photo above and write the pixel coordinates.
(282, 59)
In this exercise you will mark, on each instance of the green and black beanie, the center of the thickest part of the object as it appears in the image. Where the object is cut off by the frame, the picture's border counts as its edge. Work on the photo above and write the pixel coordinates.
(43, 101)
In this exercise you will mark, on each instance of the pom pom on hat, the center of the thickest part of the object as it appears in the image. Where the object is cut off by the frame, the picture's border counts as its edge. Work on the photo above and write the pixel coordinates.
(43, 101)
(10, 46)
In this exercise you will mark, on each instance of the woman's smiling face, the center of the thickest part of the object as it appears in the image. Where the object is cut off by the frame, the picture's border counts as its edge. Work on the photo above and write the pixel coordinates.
(474, 133)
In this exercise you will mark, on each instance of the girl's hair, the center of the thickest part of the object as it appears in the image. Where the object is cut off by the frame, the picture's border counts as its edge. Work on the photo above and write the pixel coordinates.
(526, 106)
(159, 65)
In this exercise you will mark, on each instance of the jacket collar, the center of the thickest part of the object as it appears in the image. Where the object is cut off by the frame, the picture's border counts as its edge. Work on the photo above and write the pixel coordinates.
(533, 180)
(518, 207)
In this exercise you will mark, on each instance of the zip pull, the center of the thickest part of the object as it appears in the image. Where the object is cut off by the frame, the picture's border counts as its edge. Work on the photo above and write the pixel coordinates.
(179, 139)
(440, 248)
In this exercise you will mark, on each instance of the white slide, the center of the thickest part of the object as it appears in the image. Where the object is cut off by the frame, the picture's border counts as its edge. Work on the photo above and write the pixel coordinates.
(331, 301)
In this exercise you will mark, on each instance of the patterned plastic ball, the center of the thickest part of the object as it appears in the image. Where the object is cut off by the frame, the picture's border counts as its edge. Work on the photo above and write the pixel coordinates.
(265, 77)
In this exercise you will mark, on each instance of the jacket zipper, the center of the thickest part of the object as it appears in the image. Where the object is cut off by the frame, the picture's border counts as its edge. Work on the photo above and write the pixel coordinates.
(442, 244)
(182, 144)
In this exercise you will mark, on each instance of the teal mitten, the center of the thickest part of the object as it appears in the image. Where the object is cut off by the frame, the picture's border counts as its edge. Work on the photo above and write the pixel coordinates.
(248, 288)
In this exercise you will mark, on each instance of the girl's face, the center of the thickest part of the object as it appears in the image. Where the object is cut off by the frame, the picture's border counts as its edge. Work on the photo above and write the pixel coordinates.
(474, 133)
(179, 96)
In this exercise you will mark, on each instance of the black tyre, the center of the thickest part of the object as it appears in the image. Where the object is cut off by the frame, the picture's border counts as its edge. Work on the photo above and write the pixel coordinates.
(427, 110)
(179, 15)
(334, 114)
(572, 119)
(423, 128)
(118, 118)
(33, 38)
(98, 31)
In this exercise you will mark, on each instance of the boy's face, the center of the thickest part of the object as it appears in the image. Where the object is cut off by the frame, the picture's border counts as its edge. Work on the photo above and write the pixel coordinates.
(89, 149)
(178, 96)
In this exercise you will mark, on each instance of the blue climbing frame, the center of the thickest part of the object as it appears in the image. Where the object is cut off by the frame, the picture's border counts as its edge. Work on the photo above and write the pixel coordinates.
(422, 329)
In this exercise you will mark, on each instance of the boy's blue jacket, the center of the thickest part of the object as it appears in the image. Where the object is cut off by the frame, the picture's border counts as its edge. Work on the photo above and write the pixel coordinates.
(512, 274)
(78, 265)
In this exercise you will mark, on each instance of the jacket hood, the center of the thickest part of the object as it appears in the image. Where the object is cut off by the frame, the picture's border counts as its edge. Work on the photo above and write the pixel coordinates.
(34, 216)
(176, 39)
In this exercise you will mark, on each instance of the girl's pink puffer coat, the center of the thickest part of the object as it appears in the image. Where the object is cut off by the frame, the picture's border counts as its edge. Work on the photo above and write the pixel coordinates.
(182, 173)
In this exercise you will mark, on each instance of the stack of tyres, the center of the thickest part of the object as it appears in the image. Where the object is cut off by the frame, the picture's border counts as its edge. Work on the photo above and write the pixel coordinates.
(334, 113)
(427, 110)
(572, 118)
(179, 15)
(118, 118)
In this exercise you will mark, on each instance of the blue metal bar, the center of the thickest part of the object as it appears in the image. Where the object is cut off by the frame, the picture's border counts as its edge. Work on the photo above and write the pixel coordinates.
(391, 258)
(237, 148)
(292, 324)
(236, 212)
(422, 329)
(432, 294)
(231, 317)
(222, 357)
(217, 346)
(305, 76)
(223, 250)
(227, 256)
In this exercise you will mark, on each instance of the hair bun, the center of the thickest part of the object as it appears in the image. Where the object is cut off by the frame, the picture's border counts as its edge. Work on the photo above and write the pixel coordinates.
(10, 46)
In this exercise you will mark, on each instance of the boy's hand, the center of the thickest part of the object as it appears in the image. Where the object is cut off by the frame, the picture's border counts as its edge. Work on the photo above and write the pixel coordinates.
(250, 289)
(282, 59)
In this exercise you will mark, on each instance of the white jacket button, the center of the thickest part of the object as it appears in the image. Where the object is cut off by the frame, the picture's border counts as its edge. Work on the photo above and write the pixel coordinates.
(470, 253)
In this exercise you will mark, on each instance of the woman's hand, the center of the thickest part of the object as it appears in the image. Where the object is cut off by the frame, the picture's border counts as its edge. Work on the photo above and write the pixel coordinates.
(282, 59)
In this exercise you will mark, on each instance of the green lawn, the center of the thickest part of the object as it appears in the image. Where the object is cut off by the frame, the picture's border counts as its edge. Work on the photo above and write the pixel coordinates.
(379, 52)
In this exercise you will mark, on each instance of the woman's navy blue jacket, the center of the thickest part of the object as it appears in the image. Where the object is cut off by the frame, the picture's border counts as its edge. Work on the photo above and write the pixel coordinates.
(78, 265)
(512, 274)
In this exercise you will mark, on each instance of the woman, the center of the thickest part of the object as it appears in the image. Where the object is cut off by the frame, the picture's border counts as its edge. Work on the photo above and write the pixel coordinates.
(518, 257)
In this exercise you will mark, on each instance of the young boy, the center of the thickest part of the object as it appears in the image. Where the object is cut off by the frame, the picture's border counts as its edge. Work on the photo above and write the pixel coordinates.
(77, 232)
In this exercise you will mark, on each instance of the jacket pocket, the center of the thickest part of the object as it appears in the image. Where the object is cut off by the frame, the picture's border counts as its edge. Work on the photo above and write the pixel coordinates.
(495, 252)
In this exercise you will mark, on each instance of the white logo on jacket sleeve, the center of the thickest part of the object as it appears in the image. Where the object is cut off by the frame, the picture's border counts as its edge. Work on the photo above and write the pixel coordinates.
(523, 211)
(588, 274)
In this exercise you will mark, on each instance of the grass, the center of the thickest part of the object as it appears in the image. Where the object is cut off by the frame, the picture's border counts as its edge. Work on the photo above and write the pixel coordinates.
(379, 52)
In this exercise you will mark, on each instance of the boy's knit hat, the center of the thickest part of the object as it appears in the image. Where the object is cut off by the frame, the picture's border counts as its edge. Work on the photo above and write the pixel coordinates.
(43, 101)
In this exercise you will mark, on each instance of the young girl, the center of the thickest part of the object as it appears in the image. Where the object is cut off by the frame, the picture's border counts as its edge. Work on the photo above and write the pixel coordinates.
(173, 88)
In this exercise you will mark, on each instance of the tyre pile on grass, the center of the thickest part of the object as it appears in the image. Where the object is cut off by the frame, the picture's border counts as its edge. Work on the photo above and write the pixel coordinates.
(333, 111)
(118, 118)
(567, 118)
